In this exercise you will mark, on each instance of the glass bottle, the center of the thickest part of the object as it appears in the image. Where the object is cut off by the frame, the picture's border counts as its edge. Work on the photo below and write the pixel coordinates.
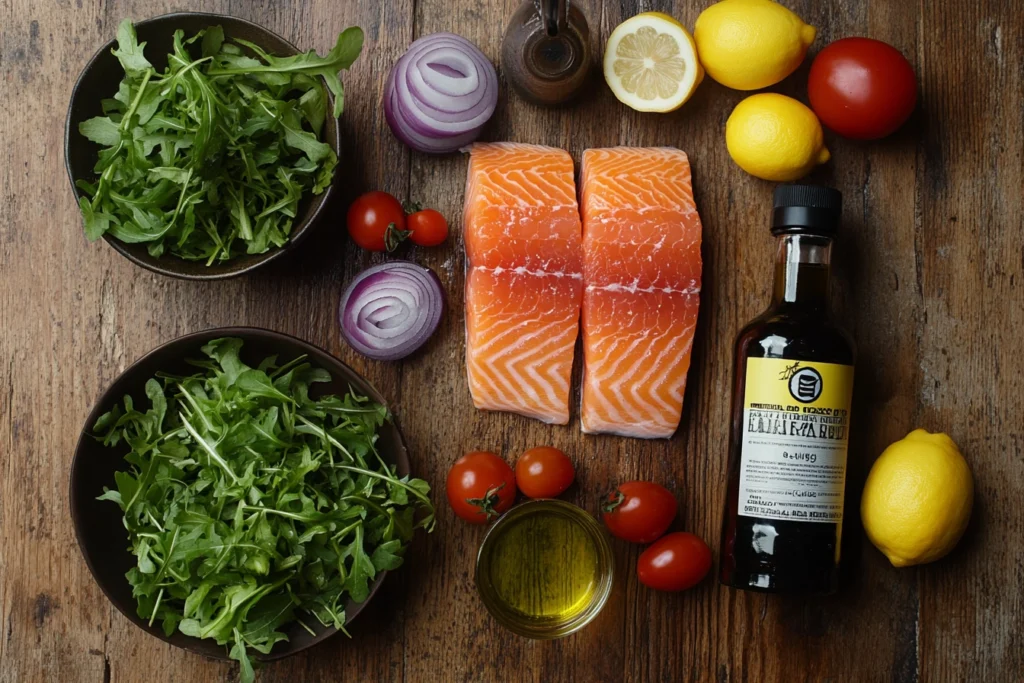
(545, 54)
(790, 415)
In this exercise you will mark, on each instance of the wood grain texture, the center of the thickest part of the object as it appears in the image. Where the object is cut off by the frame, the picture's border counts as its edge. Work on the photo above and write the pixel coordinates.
(929, 280)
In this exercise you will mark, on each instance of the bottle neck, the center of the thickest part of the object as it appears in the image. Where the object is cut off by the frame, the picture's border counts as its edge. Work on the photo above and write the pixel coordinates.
(802, 272)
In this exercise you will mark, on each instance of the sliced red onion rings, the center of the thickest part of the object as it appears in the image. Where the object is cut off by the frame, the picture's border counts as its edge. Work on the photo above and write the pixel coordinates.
(391, 310)
(440, 93)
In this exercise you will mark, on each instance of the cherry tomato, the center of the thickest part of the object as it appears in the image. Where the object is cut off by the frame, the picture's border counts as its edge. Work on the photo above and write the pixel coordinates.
(376, 221)
(862, 88)
(544, 472)
(480, 487)
(639, 511)
(674, 563)
(427, 227)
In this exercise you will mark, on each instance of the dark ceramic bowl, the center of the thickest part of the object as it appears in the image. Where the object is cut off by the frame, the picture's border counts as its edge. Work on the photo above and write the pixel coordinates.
(99, 528)
(99, 79)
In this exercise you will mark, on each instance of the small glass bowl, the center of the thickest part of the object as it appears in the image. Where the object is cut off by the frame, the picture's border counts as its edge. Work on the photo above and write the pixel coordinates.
(545, 626)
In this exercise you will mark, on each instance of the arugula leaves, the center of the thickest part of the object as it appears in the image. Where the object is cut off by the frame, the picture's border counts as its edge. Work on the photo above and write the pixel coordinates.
(248, 503)
(211, 158)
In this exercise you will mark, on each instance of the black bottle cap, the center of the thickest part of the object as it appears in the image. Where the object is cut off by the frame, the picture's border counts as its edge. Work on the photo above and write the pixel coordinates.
(806, 210)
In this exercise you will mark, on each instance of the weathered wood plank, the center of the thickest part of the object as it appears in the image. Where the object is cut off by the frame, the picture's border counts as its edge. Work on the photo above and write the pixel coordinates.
(972, 257)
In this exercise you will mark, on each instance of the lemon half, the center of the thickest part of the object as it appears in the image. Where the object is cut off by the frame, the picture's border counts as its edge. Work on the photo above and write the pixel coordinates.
(651, 63)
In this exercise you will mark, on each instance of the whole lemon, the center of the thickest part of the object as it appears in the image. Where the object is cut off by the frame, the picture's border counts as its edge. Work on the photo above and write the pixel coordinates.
(917, 499)
(774, 137)
(750, 44)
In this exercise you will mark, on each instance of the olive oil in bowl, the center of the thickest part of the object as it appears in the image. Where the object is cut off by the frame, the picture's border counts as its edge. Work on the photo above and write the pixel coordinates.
(544, 569)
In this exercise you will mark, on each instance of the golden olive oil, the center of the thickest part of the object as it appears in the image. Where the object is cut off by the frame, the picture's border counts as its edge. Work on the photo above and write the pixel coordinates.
(544, 569)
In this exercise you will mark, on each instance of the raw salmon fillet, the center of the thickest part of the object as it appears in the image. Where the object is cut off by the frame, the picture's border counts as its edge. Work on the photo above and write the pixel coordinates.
(524, 281)
(641, 266)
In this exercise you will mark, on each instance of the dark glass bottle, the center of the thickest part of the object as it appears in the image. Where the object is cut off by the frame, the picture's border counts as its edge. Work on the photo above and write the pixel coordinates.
(790, 415)
(545, 54)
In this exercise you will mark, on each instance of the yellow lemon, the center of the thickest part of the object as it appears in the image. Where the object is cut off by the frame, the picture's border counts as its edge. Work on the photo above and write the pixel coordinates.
(917, 499)
(774, 137)
(650, 63)
(751, 44)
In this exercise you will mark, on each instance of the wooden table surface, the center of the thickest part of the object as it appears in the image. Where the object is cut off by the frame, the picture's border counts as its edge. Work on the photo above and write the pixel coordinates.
(929, 280)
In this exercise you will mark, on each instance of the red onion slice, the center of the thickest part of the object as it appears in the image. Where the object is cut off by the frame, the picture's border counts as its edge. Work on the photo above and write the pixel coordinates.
(435, 113)
(446, 70)
(420, 142)
(391, 310)
(440, 93)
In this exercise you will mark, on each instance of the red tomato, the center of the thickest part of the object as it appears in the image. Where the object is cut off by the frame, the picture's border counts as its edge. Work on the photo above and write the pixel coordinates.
(544, 472)
(639, 511)
(427, 227)
(480, 487)
(676, 562)
(376, 221)
(862, 88)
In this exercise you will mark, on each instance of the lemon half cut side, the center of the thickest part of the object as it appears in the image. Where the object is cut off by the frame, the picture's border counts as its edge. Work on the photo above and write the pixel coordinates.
(651, 64)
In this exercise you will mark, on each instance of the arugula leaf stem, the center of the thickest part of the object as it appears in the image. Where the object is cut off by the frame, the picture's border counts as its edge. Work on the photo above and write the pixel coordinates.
(167, 556)
(143, 481)
(210, 450)
(347, 530)
(136, 100)
(176, 576)
(153, 519)
(184, 393)
(307, 628)
(283, 513)
(355, 411)
(188, 67)
(181, 197)
(287, 366)
(269, 437)
(334, 618)
(367, 502)
(393, 480)
(156, 606)
(380, 460)
(233, 546)
(323, 434)
(211, 230)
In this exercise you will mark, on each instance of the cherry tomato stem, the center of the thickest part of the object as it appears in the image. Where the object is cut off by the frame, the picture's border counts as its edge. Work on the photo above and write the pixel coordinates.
(393, 236)
(480, 486)
(489, 502)
(372, 217)
(639, 511)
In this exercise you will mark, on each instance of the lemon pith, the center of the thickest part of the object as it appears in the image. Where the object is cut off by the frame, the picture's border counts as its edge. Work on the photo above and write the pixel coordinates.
(650, 63)
(917, 499)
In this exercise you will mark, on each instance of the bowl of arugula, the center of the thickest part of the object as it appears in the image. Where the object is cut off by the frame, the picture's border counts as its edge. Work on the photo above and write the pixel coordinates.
(202, 146)
(241, 493)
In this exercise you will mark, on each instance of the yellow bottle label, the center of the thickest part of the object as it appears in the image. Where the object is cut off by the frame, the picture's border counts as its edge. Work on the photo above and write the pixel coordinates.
(796, 420)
